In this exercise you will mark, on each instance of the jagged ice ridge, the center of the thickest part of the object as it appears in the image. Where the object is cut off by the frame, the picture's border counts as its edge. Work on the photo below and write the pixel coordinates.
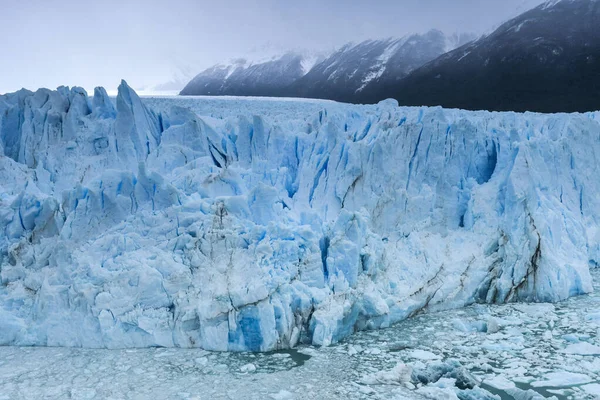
(146, 224)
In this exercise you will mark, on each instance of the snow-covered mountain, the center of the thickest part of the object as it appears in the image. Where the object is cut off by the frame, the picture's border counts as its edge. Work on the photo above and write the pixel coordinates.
(342, 75)
(251, 78)
(347, 73)
(236, 224)
(547, 59)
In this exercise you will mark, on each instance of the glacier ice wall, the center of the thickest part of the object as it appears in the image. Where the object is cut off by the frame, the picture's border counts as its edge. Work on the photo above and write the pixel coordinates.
(142, 223)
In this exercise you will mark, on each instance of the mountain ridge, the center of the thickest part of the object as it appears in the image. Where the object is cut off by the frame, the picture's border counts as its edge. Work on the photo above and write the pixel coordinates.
(339, 75)
(546, 59)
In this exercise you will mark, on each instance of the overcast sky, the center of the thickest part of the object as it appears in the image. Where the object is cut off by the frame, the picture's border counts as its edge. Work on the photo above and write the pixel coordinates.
(47, 43)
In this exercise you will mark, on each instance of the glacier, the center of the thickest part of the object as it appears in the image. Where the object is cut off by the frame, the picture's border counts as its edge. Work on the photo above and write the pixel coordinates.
(255, 225)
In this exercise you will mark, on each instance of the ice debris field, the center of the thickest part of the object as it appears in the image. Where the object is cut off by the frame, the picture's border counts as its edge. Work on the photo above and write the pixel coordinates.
(258, 225)
(482, 352)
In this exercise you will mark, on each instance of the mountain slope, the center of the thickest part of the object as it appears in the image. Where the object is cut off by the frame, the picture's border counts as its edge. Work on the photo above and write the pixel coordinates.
(242, 78)
(341, 76)
(546, 60)
(346, 74)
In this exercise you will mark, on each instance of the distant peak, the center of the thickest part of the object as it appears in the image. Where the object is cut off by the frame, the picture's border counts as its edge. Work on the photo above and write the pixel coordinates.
(553, 3)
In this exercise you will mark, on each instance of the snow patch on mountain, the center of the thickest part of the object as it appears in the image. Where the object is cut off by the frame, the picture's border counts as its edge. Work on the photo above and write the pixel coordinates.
(456, 40)
(381, 62)
(549, 4)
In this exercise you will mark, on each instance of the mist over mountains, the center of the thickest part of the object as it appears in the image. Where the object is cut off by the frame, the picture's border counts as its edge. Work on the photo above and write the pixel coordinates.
(342, 75)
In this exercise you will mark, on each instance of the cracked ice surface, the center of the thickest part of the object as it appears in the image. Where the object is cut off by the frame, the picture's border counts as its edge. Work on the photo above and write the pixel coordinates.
(504, 352)
(232, 224)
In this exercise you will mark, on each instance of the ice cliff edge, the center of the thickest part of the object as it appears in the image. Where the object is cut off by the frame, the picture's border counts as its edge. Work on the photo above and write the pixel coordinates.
(128, 226)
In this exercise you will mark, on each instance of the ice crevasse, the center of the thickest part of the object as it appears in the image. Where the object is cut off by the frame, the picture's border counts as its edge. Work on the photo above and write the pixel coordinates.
(132, 223)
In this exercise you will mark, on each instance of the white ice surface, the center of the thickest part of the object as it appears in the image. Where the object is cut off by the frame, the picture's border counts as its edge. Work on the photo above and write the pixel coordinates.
(593, 389)
(562, 378)
(583, 348)
(239, 224)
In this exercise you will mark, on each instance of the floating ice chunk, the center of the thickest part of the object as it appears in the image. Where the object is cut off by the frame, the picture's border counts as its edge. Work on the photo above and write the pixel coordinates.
(365, 390)
(248, 368)
(400, 374)
(448, 369)
(499, 382)
(560, 379)
(352, 350)
(201, 360)
(432, 392)
(594, 317)
(489, 326)
(492, 325)
(583, 348)
(592, 389)
(282, 395)
(571, 338)
(423, 355)
(530, 394)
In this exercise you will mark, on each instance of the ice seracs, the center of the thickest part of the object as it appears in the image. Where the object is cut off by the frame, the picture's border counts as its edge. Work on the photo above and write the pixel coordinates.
(134, 226)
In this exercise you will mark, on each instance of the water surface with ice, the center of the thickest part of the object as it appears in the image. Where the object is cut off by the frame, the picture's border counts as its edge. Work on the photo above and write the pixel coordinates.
(514, 351)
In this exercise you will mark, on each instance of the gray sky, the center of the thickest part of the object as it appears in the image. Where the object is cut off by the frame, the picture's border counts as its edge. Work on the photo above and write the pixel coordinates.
(47, 43)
